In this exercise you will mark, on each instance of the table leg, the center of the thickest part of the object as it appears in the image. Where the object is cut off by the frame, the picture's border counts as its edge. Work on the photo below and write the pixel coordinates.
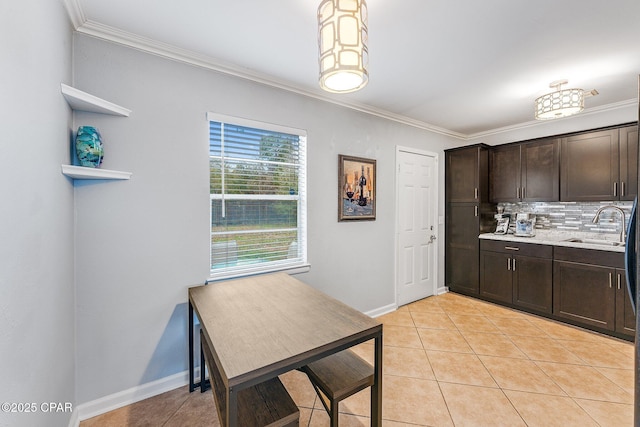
(376, 389)
(191, 369)
(232, 408)
(203, 386)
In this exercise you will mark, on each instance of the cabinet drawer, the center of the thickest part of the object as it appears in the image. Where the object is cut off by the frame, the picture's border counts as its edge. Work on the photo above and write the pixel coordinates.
(517, 248)
(589, 256)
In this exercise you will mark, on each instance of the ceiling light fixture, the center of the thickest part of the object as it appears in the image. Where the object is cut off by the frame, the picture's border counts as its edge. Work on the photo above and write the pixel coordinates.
(342, 39)
(561, 103)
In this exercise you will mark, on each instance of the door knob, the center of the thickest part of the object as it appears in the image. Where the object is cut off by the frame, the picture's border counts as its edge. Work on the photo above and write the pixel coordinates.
(432, 238)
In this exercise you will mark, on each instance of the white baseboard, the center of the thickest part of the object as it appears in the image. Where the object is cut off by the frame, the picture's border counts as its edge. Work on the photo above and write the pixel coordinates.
(382, 310)
(442, 290)
(127, 397)
(75, 419)
(117, 400)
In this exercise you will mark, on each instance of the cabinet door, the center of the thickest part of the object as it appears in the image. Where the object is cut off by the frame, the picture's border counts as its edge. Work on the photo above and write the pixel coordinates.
(589, 167)
(495, 276)
(462, 181)
(532, 283)
(584, 293)
(625, 318)
(463, 248)
(540, 165)
(628, 163)
(504, 173)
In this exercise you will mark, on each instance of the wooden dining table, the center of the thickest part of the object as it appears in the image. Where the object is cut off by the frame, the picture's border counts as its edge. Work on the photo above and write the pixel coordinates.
(259, 327)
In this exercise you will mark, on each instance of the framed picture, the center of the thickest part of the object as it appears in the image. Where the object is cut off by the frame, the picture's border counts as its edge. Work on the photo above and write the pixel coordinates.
(356, 188)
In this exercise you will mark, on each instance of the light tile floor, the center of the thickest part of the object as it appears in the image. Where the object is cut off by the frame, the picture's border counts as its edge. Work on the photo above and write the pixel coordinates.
(450, 360)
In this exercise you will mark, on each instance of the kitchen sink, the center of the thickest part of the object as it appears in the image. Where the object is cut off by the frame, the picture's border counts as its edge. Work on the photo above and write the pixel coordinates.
(595, 242)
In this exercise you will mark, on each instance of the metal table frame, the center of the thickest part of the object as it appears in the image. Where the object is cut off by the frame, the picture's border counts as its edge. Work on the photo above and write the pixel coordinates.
(353, 328)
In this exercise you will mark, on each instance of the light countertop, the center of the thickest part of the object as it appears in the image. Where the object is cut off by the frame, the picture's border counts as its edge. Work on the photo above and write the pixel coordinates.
(560, 237)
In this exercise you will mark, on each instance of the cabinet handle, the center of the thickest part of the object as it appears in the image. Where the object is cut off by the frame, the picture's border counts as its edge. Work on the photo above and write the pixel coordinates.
(621, 188)
(518, 193)
(475, 210)
(508, 264)
(610, 280)
(618, 281)
(475, 193)
(615, 188)
(522, 192)
(511, 248)
(514, 265)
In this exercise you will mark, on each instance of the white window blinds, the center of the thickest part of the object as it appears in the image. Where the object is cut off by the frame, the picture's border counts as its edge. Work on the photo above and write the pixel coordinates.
(257, 196)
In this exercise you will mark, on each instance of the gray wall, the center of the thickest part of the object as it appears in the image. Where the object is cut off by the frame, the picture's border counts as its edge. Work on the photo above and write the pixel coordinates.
(141, 243)
(37, 343)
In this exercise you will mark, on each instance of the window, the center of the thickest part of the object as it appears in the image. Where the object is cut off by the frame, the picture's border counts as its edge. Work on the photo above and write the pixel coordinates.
(257, 177)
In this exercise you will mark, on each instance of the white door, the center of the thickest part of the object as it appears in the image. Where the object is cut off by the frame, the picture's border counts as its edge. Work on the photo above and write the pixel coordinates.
(417, 226)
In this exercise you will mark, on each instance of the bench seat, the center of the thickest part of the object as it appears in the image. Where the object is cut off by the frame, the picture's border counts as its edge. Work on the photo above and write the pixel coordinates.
(337, 377)
(267, 404)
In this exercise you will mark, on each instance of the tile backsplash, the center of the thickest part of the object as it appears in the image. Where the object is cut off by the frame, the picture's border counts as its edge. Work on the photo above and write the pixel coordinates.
(575, 216)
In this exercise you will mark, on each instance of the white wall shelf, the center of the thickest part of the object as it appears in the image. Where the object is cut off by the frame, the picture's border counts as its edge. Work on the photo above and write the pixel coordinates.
(80, 172)
(82, 101)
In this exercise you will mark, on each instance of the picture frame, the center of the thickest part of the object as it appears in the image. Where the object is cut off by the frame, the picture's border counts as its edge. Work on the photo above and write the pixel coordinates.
(357, 182)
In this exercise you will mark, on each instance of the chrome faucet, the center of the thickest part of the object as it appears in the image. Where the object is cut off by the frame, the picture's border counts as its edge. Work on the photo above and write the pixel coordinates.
(623, 231)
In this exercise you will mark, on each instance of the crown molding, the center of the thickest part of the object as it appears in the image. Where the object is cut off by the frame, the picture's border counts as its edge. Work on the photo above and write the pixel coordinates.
(115, 35)
(74, 10)
(533, 123)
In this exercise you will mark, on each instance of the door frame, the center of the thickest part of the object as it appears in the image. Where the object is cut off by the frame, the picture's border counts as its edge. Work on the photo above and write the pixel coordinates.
(436, 254)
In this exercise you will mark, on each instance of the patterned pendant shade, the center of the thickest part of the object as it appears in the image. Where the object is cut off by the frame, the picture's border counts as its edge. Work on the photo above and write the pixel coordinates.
(342, 39)
(561, 103)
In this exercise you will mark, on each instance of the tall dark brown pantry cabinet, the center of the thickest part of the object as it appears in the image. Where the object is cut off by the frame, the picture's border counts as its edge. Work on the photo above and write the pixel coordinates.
(468, 213)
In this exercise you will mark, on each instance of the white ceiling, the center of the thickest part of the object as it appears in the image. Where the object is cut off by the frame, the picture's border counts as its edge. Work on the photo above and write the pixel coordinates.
(463, 67)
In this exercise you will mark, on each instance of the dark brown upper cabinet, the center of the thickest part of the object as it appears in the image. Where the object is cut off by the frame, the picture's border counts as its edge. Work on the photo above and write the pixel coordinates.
(466, 177)
(599, 166)
(528, 172)
(628, 162)
(504, 173)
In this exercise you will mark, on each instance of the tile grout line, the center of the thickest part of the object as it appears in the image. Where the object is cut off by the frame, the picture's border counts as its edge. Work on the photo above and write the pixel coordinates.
(492, 376)
(446, 404)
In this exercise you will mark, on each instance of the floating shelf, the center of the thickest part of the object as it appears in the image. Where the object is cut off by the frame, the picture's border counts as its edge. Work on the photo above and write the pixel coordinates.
(80, 172)
(82, 101)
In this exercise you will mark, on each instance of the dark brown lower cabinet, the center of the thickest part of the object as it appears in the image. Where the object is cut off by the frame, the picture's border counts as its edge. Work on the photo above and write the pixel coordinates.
(533, 283)
(520, 274)
(625, 317)
(496, 279)
(584, 293)
(589, 289)
(462, 248)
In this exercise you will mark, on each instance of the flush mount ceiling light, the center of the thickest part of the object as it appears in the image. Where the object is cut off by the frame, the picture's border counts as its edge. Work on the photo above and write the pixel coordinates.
(561, 103)
(342, 39)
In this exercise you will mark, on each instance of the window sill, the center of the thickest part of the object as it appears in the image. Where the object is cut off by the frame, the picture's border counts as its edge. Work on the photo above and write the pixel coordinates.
(298, 269)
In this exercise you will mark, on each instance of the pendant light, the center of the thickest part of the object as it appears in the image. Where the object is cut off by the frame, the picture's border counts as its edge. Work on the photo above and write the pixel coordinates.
(561, 103)
(342, 41)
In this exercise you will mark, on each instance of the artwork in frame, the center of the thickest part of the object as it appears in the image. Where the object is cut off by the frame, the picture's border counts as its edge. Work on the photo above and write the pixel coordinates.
(356, 188)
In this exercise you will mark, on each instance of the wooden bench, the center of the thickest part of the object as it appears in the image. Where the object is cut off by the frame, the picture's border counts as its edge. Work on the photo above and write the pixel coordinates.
(264, 405)
(337, 377)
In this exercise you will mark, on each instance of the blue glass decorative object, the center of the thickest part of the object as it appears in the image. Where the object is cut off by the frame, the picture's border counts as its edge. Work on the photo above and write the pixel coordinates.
(89, 147)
